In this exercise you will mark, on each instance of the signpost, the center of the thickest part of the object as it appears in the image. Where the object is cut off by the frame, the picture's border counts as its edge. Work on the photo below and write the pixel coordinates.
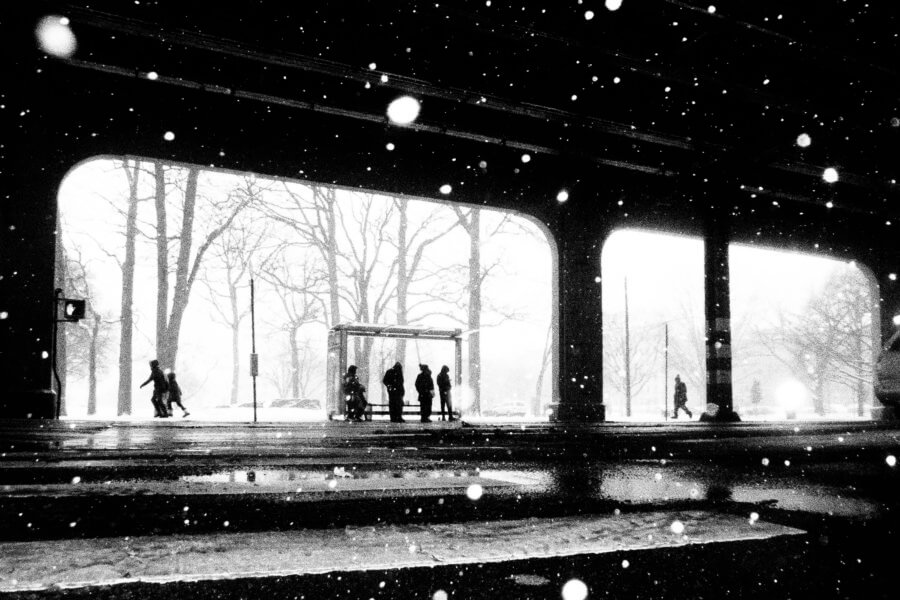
(73, 311)
(254, 358)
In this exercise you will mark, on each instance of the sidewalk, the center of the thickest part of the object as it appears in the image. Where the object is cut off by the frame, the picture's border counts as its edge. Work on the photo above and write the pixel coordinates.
(159, 559)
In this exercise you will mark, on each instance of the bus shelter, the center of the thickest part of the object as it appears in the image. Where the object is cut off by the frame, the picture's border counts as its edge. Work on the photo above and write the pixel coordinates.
(340, 336)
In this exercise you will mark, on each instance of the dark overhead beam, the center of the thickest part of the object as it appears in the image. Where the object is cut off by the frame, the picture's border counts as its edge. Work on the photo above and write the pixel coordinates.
(361, 116)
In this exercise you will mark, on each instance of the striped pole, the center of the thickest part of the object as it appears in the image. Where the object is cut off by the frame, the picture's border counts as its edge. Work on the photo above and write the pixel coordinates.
(718, 319)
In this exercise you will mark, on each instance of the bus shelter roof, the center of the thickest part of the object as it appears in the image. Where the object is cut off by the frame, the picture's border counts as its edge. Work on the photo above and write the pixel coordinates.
(398, 331)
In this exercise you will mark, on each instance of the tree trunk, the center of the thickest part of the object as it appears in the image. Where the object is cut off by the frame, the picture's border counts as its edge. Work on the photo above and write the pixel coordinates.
(819, 399)
(92, 365)
(295, 363)
(331, 256)
(162, 264)
(235, 345)
(475, 309)
(126, 314)
(183, 271)
(627, 356)
(402, 278)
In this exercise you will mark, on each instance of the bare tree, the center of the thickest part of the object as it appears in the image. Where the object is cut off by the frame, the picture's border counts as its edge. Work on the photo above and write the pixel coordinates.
(312, 213)
(221, 212)
(628, 368)
(687, 349)
(472, 301)
(368, 266)
(128, 210)
(296, 289)
(353, 239)
(298, 376)
(831, 339)
(126, 315)
(411, 248)
(89, 339)
(226, 279)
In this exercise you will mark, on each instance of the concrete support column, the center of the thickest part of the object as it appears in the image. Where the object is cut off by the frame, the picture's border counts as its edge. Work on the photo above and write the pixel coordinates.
(28, 242)
(580, 322)
(718, 319)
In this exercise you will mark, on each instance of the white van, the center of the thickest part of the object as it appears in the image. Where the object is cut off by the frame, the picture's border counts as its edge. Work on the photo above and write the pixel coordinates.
(887, 371)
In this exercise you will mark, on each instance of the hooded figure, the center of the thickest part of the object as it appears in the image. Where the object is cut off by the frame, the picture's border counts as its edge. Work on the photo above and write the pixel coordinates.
(354, 394)
(393, 381)
(681, 398)
(443, 383)
(425, 388)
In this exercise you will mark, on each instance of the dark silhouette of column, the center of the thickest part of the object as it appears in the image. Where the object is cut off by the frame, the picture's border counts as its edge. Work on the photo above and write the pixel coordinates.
(580, 317)
(718, 316)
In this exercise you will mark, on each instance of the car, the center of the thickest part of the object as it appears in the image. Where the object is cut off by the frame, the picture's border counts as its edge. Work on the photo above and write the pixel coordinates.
(306, 403)
(887, 372)
(506, 409)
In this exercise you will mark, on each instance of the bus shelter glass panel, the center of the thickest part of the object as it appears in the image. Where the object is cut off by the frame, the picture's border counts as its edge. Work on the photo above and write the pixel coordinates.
(804, 335)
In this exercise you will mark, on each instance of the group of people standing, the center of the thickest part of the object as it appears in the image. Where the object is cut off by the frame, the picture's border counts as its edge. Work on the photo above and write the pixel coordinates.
(166, 391)
(393, 381)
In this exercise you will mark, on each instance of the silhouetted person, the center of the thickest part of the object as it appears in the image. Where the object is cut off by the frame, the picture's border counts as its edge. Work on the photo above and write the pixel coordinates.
(393, 381)
(681, 398)
(443, 383)
(159, 389)
(354, 394)
(175, 395)
(425, 388)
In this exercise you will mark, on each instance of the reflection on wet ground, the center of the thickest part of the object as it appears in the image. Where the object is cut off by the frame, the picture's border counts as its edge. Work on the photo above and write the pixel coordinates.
(810, 489)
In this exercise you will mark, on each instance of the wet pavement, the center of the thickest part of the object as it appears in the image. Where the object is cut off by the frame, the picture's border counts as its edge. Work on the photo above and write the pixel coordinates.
(178, 487)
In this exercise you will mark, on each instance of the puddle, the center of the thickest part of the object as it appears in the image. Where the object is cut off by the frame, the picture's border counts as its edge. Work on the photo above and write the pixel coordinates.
(281, 476)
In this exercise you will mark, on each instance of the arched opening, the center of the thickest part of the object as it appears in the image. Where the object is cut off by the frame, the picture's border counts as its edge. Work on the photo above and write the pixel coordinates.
(164, 254)
(803, 330)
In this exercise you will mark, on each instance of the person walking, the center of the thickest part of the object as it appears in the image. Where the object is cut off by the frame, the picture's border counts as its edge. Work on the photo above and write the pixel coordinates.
(681, 398)
(175, 395)
(354, 394)
(393, 381)
(443, 383)
(425, 389)
(160, 387)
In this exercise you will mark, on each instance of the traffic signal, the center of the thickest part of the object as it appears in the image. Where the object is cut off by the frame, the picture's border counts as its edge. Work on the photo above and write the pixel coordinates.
(73, 310)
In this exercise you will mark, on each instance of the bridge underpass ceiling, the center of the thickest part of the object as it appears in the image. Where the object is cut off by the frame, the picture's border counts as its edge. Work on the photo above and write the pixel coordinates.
(667, 88)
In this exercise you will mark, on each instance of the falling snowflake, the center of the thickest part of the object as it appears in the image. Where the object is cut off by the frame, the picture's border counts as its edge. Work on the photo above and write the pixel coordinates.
(55, 37)
(474, 491)
(574, 589)
(404, 110)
